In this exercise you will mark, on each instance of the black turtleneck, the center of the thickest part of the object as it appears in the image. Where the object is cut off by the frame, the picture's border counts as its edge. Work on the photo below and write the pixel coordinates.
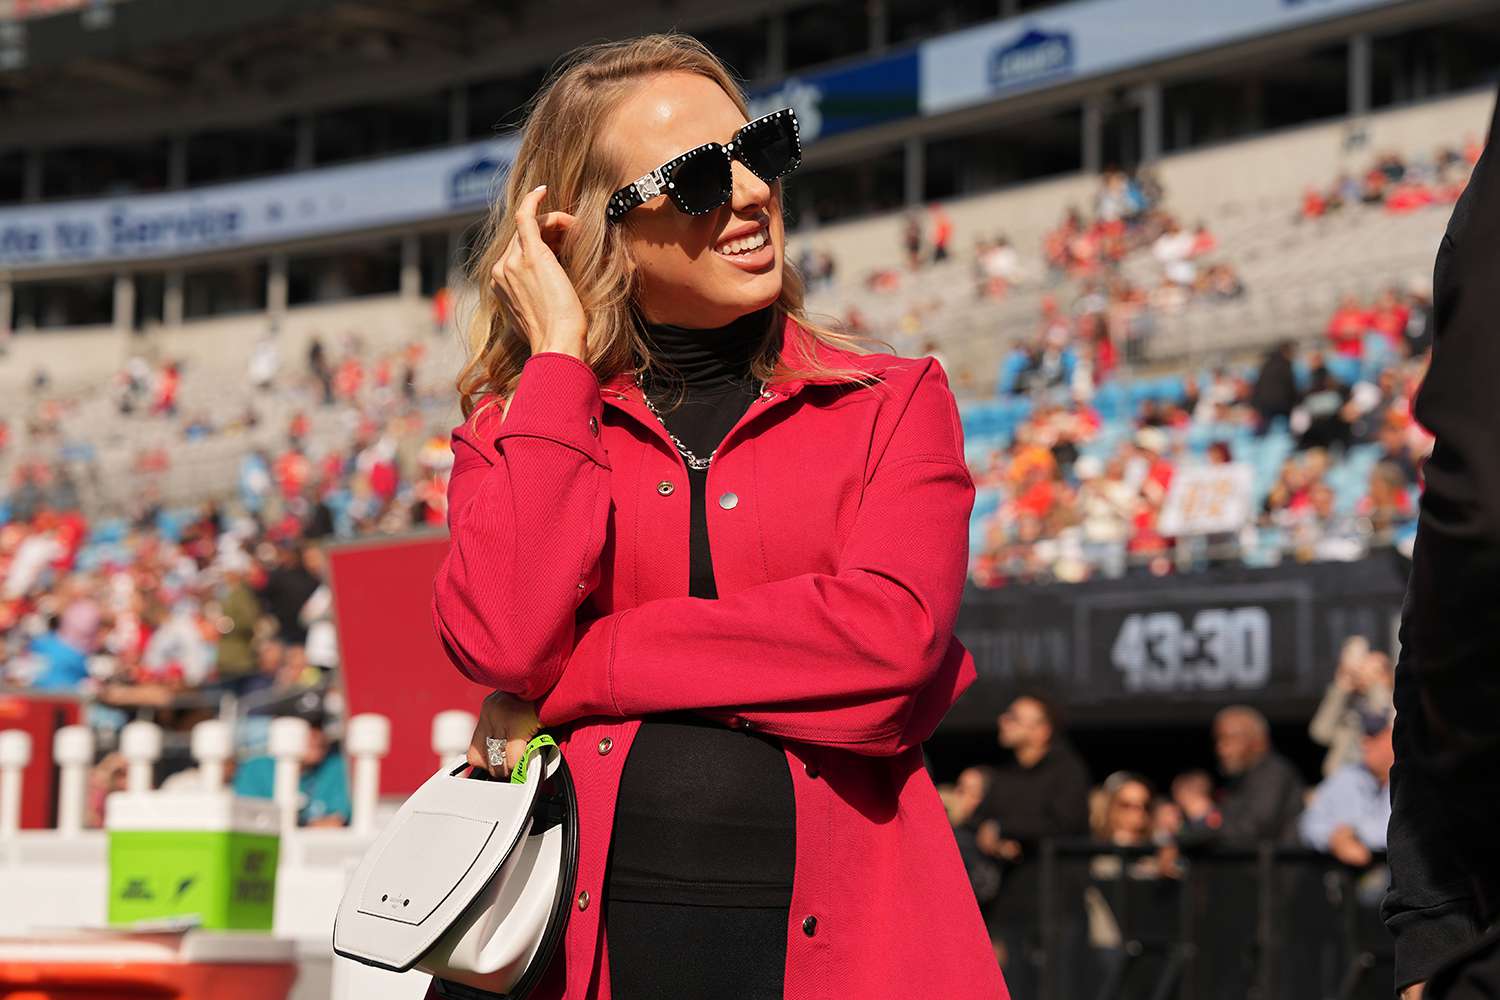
(705, 815)
(711, 368)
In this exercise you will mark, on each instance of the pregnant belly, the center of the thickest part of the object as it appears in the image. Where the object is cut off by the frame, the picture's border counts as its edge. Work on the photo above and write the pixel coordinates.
(705, 815)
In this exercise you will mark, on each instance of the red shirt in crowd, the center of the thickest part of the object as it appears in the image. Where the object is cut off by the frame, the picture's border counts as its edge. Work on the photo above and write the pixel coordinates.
(1346, 330)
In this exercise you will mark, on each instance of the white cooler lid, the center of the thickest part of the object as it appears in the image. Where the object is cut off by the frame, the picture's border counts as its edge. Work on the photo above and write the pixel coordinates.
(190, 811)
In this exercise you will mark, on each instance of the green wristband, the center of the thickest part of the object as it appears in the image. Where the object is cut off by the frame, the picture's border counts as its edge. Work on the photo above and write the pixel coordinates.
(518, 773)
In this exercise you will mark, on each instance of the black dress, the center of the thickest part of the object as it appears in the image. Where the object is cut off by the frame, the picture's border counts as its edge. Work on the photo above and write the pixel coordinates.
(699, 878)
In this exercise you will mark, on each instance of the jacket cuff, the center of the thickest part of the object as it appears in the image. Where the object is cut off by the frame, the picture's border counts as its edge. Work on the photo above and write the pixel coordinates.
(557, 398)
(1426, 938)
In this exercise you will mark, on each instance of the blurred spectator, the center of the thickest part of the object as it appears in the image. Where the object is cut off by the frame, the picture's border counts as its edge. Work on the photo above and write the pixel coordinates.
(1125, 819)
(911, 240)
(1348, 812)
(1041, 792)
(441, 307)
(265, 360)
(323, 785)
(1275, 393)
(1418, 331)
(288, 588)
(240, 610)
(318, 366)
(961, 801)
(1361, 690)
(942, 232)
(1323, 418)
(1263, 793)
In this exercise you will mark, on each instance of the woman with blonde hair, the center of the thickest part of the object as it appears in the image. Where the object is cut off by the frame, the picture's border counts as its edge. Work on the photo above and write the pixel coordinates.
(716, 551)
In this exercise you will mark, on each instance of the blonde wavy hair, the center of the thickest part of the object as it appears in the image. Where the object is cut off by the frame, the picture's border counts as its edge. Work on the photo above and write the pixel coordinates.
(560, 146)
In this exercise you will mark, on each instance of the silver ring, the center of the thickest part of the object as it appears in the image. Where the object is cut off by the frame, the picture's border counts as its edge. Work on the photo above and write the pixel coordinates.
(495, 748)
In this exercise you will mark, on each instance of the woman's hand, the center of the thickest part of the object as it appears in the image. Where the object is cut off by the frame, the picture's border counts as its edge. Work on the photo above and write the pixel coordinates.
(503, 716)
(533, 290)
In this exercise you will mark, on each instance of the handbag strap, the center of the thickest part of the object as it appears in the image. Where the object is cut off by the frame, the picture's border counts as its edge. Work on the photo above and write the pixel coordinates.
(518, 773)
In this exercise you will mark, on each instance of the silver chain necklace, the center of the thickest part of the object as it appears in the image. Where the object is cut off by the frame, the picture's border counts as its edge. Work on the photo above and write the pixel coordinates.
(693, 461)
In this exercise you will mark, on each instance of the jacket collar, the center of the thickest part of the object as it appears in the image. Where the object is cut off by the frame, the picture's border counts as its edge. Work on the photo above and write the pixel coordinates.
(623, 392)
(796, 343)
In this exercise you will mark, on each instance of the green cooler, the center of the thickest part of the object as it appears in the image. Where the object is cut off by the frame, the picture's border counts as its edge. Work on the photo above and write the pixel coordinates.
(207, 858)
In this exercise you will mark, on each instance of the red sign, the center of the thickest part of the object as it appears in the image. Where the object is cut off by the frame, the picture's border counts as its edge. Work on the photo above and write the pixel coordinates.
(390, 658)
(40, 716)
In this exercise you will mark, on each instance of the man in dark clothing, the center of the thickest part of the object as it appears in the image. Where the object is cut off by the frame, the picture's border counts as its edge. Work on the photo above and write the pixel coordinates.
(287, 589)
(1260, 801)
(1043, 792)
(1445, 786)
(1275, 391)
(1418, 332)
(1263, 792)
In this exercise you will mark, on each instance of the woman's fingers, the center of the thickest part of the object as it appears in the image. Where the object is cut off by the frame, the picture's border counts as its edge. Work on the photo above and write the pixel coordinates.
(526, 225)
(514, 749)
(479, 757)
(476, 759)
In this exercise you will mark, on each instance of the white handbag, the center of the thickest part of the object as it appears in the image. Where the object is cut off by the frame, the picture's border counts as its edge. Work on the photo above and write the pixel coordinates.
(471, 881)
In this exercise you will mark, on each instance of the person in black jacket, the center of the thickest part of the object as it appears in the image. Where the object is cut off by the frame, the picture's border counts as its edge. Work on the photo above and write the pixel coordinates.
(1275, 393)
(1445, 786)
(1042, 792)
(1262, 794)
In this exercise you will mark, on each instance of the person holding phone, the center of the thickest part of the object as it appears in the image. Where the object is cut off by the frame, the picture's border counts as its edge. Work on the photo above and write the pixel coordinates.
(717, 550)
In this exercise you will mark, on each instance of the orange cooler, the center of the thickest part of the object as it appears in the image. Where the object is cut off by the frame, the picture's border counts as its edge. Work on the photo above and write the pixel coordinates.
(165, 965)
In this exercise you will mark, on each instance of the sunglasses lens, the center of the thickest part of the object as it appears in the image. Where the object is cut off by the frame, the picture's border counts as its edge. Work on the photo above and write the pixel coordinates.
(703, 182)
(771, 149)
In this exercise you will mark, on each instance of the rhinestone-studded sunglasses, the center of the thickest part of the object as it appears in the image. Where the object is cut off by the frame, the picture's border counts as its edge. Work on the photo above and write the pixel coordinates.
(702, 179)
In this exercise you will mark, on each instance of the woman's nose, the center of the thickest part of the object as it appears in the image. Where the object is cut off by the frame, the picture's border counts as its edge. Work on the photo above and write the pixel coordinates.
(749, 190)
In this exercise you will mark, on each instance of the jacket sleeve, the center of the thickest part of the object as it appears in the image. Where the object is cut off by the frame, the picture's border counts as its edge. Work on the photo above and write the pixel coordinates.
(528, 508)
(863, 657)
(1445, 785)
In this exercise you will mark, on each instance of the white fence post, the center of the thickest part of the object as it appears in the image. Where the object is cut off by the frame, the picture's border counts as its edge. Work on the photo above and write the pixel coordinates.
(367, 740)
(140, 743)
(451, 733)
(288, 739)
(73, 749)
(15, 754)
(212, 746)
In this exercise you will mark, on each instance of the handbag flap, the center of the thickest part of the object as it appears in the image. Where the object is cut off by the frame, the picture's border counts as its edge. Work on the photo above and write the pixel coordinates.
(437, 854)
(411, 877)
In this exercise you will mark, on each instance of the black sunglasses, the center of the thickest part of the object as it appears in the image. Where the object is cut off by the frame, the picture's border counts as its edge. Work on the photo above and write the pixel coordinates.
(702, 179)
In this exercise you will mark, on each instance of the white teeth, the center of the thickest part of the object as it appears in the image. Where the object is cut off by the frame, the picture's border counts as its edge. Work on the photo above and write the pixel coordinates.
(748, 243)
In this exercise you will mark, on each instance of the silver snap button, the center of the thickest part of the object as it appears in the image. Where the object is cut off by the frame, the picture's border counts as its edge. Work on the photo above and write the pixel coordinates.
(605, 744)
(766, 394)
(594, 426)
(728, 500)
(665, 487)
(583, 900)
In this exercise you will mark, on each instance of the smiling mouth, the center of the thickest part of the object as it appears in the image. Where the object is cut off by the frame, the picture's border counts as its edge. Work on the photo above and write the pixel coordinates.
(745, 245)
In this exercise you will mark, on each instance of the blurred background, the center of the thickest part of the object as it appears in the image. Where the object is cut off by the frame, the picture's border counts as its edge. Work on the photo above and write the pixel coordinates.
(1175, 257)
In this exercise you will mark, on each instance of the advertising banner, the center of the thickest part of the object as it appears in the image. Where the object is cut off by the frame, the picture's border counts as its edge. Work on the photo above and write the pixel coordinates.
(225, 216)
(847, 98)
(1093, 37)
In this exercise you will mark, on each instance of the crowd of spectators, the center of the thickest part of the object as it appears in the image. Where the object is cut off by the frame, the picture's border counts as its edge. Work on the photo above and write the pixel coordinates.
(1041, 790)
(1396, 183)
(1078, 485)
(159, 610)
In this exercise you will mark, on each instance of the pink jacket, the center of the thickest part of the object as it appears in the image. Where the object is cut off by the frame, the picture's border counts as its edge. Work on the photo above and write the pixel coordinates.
(839, 521)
